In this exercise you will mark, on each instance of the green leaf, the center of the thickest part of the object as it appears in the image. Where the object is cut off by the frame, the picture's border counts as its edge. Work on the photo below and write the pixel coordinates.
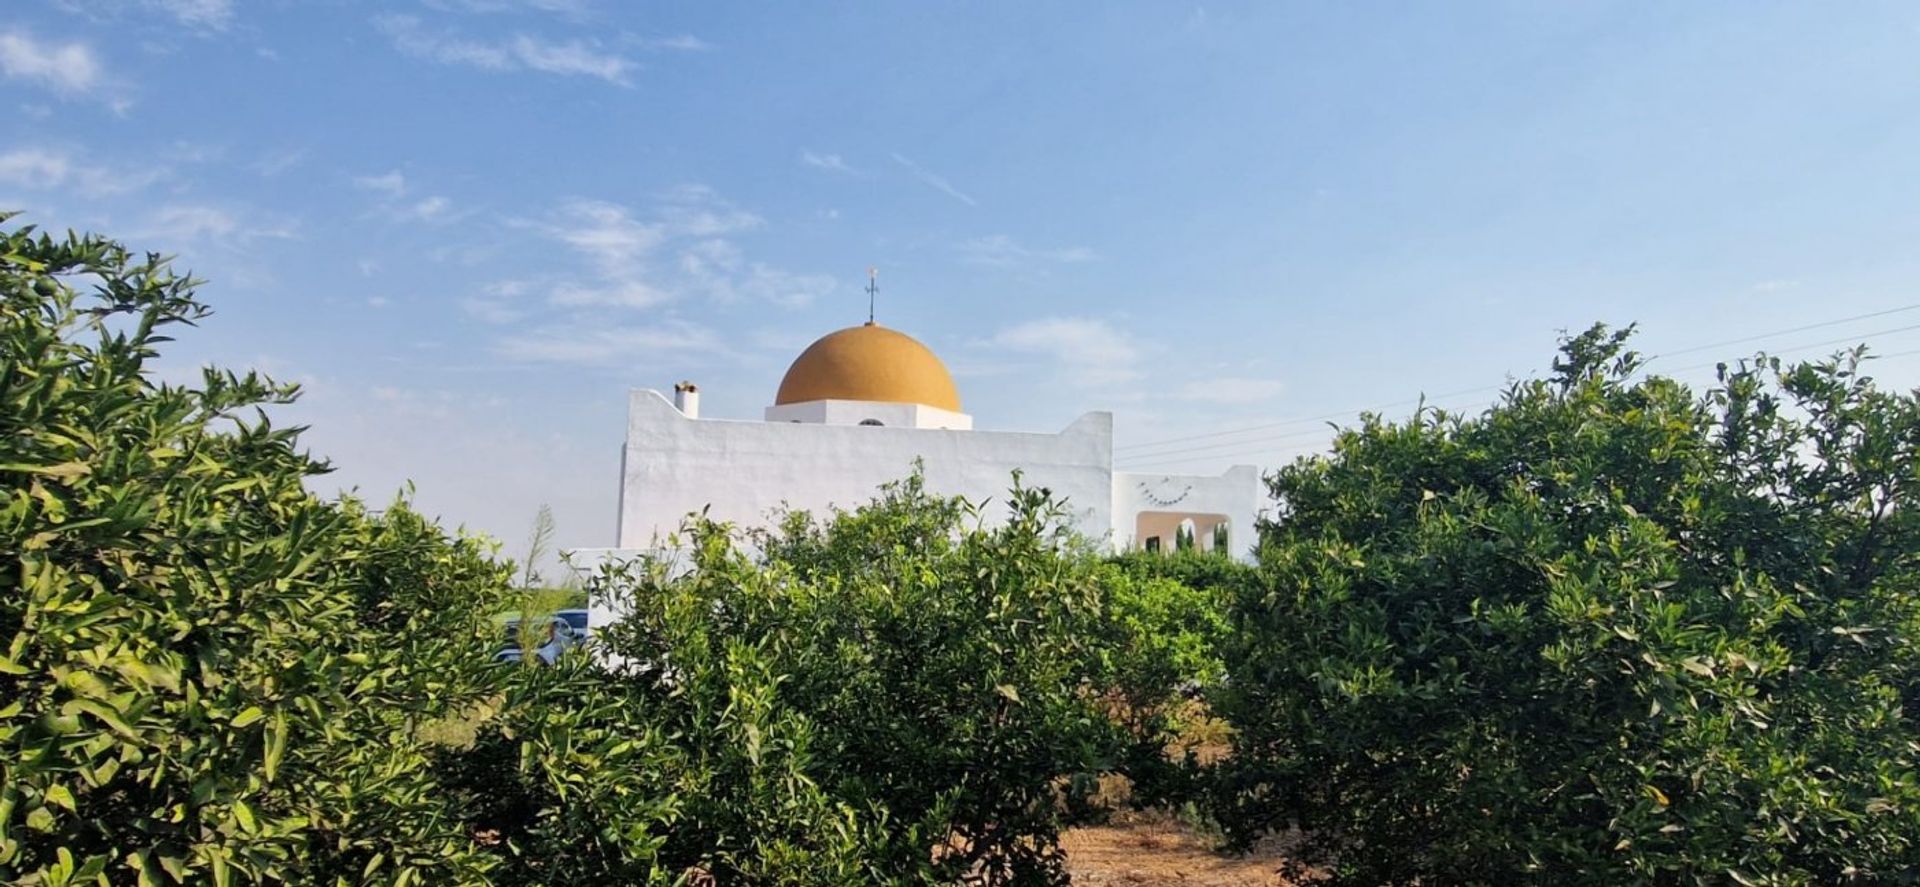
(146, 875)
(106, 713)
(276, 743)
(248, 717)
(217, 858)
(64, 470)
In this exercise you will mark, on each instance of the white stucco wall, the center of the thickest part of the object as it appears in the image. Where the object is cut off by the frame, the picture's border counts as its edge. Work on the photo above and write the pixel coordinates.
(854, 412)
(744, 470)
(1238, 494)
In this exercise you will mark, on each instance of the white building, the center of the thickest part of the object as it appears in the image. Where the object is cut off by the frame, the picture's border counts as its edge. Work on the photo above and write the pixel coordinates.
(855, 410)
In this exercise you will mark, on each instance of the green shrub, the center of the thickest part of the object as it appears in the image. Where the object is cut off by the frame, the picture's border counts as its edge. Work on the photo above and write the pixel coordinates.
(587, 778)
(1605, 632)
(891, 693)
(206, 673)
(1163, 639)
(1165, 624)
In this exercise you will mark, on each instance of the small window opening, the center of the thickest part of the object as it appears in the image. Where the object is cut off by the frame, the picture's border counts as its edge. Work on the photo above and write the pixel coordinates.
(875, 422)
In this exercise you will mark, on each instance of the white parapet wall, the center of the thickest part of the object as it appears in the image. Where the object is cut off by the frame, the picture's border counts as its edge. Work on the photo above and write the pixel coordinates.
(1157, 506)
(744, 471)
(867, 413)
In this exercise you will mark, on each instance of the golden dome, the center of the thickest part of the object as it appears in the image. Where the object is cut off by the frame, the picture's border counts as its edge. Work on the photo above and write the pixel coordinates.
(869, 363)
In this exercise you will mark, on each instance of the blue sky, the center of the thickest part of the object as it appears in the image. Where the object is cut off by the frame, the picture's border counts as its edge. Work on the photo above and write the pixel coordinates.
(469, 226)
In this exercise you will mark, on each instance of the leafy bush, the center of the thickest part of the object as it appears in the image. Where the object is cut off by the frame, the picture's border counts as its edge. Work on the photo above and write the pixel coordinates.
(582, 778)
(889, 693)
(1164, 635)
(1605, 632)
(1166, 620)
(206, 672)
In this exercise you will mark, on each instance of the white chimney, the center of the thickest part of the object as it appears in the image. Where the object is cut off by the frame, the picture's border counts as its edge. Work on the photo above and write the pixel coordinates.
(686, 398)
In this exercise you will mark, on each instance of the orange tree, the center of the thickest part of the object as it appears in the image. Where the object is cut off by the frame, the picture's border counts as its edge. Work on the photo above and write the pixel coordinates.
(889, 693)
(206, 673)
(1608, 631)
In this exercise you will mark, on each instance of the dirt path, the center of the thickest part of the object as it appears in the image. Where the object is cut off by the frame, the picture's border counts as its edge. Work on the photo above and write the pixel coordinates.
(1154, 848)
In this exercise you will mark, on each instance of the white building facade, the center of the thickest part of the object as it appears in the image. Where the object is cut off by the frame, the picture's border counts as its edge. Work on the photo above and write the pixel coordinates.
(859, 408)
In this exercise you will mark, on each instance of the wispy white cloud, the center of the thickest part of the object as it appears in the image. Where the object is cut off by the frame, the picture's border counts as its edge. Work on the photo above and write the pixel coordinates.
(499, 303)
(203, 15)
(183, 151)
(570, 57)
(605, 233)
(569, 8)
(936, 182)
(619, 293)
(392, 186)
(392, 183)
(517, 53)
(605, 342)
(696, 211)
(210, 14)
(619, 244)
(186, 224)
(1001, 251)
(717, 268)
(430, 209)
(41, 168)
(66, 68)
(672, 43)
(829, 162)
(224, 242)
(277, 162)
(1236, 390)
(1089, 352)
(684, 246)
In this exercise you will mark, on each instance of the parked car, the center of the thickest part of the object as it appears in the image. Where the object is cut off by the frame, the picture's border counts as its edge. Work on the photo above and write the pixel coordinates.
(578, 621)
(557, 636)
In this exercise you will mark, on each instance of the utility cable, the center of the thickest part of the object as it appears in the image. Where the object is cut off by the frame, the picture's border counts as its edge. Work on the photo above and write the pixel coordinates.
(1156, 444)
(1153, 458)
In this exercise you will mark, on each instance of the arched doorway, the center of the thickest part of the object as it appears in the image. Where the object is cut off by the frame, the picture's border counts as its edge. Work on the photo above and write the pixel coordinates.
(1176, 530)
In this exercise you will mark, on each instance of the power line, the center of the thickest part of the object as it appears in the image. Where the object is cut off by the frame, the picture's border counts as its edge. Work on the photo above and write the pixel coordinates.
(1797, 329)
(1291, 434)
(1151, 459)
(1283, 423)
(1142, 469)
(1298, 420)
(1828, 343)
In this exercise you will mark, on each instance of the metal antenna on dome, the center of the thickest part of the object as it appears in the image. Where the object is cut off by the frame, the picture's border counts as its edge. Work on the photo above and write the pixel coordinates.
(873, 291)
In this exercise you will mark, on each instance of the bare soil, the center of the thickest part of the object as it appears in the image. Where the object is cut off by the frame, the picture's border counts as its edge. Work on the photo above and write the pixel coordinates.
(1155, 848)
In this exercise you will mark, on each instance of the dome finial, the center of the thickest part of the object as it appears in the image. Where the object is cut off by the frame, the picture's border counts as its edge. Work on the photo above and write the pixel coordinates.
(873, 290)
